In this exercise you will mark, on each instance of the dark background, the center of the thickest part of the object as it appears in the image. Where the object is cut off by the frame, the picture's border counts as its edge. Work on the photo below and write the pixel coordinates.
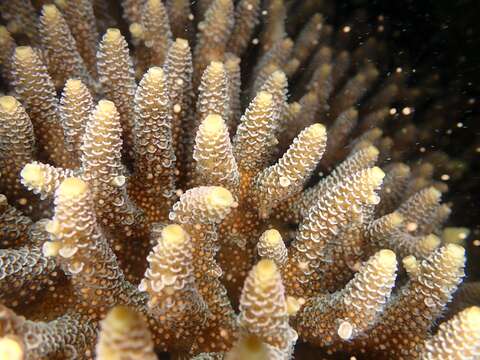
(441, 37)
(440, 40)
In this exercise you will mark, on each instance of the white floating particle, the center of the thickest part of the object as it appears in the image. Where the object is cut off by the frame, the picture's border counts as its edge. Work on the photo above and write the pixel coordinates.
(445, 177)
(392, 111)
(346, 29)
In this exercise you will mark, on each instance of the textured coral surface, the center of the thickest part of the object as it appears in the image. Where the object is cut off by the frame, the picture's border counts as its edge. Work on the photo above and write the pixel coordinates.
(220, 179)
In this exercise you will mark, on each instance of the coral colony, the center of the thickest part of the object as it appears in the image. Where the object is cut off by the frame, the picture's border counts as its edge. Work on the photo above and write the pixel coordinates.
(234, 192)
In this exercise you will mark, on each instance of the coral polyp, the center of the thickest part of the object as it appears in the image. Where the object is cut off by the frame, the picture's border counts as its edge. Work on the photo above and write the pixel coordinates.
(235, 192)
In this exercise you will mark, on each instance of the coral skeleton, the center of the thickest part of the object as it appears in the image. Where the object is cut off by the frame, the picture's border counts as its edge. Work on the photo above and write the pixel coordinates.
(236, 192)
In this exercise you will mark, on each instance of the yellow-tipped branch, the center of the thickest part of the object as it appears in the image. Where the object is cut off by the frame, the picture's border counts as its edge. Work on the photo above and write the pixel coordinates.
(178, 68)
(255, 135)
(288, 176)
(82, 250)
(271, 247)
(153, 184)
(170, 284)
(456, 338)
(43, 179)
(116, 75)
(355, 162)
(215, 164)
(345, 315)
(64, 61)
(16, 137)
(76, 106)
(269, 323)
(124, 334)
(37, 93)
(333, 211)
(402, 330)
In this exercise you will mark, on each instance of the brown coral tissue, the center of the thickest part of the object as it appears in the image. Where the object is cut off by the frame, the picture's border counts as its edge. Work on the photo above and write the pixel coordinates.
(221, 179)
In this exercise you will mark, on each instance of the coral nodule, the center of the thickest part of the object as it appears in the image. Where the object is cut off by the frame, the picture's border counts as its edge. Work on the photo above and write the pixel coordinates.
(235, 192)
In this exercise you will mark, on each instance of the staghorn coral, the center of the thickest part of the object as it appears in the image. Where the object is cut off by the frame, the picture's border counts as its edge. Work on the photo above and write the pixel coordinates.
(460, 333)
(64, 60)
(247, 196)
(124, 335)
